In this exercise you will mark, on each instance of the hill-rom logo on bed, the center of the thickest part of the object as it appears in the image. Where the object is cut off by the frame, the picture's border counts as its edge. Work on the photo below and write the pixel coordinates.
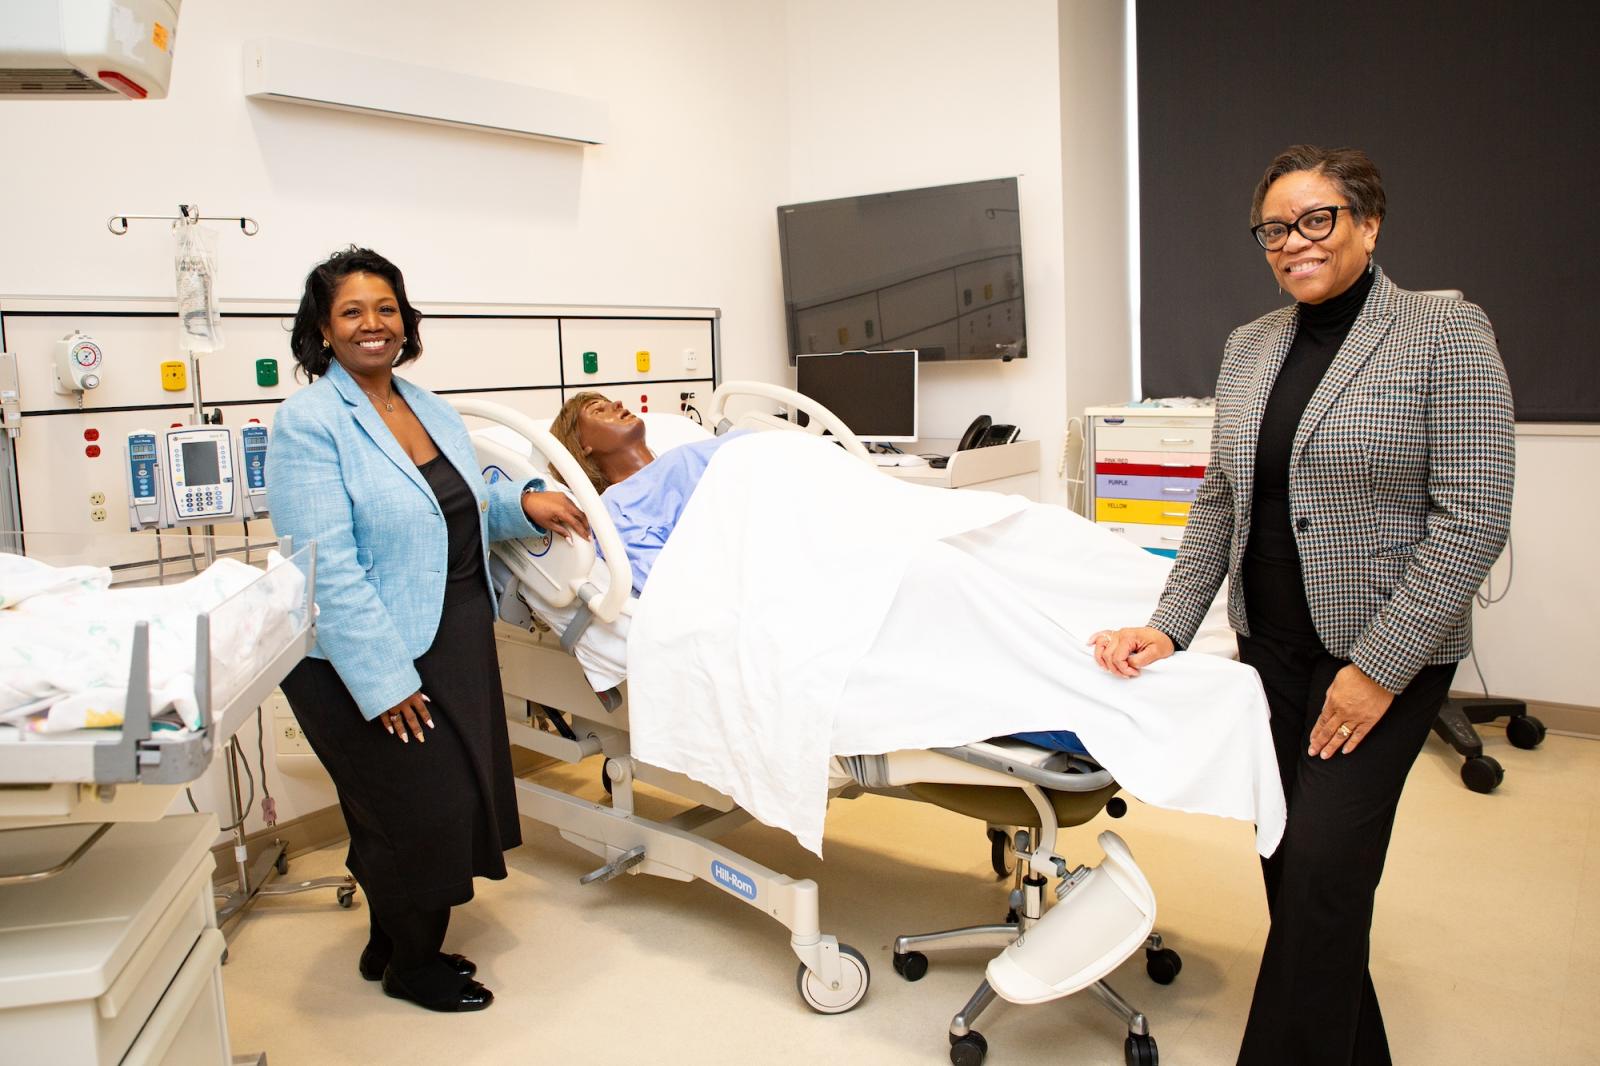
(536, 545)
(734, 881)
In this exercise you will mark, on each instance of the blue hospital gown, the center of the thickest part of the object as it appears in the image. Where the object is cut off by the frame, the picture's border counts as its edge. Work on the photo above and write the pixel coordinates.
(645, 508)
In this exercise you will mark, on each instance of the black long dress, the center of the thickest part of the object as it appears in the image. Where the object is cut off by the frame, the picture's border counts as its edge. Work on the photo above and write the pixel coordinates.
(425, 819)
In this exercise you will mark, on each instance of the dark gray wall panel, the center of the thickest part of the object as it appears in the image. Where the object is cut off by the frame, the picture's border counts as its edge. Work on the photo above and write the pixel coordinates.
(1482, 116)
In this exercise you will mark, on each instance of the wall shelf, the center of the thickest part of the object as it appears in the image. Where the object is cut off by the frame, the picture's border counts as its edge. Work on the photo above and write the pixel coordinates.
(295, 73)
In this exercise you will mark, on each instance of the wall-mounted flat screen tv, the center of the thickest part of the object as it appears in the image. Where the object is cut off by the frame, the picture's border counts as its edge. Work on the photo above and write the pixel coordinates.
(938, 270)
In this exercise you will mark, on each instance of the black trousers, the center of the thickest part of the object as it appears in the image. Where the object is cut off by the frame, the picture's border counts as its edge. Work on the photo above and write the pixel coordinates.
(1314, 1002)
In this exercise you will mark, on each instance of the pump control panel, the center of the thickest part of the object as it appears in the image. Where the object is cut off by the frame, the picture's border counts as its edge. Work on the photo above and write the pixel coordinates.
(144, 480)
(201, 477)
(253, 445)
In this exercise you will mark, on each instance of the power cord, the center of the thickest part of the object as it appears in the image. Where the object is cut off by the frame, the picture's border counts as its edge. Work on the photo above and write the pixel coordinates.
(1487, 598)
(269, 806)
(1076, 486)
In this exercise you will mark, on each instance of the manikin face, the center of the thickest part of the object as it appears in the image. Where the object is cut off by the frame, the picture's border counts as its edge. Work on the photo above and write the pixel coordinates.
(607, 426)
(1313, 271)
(364, 327)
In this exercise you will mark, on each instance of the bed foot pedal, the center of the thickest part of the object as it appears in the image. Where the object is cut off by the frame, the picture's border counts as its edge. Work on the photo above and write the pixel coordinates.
(625, 862)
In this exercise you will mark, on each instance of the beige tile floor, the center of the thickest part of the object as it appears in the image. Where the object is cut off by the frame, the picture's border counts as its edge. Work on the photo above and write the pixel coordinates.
(1486, 947)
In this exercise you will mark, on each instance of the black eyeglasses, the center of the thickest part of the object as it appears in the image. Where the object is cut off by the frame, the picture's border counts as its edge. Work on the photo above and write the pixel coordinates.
(1313, 225)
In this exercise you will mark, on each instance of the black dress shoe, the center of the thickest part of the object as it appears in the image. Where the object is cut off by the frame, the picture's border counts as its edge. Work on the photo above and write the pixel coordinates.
(471, 995)
(372, 967)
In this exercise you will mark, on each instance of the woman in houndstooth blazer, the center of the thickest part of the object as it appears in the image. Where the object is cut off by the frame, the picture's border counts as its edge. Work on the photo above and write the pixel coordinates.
(1358, 491)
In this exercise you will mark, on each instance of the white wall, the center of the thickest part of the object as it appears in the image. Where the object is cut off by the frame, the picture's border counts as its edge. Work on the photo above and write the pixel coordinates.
(676, 210)
(1097, 236)
(899, 94)
(1539, 642)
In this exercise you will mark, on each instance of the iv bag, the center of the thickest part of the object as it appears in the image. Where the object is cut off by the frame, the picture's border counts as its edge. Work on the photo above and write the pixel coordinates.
(199, 321)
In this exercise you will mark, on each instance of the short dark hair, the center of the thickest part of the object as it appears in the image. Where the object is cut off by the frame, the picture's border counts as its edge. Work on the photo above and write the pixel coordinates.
(1349, 168)
(316, 307)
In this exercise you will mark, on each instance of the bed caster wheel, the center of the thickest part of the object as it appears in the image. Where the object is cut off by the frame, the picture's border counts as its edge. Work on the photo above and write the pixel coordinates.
(282, 863)
(1140, 1051)
(999, 844)
(605, 776)
(913, 965)
(346, 897)
(968, 1050)
(1482, 774)
(1163, 965)
(1116, 806)
(853, 980)
(1525, 732)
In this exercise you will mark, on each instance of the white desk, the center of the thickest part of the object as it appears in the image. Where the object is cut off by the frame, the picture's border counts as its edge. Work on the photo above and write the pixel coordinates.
(1010, 468)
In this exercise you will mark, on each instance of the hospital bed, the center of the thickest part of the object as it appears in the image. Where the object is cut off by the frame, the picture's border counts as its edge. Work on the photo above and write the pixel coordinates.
(559, 605)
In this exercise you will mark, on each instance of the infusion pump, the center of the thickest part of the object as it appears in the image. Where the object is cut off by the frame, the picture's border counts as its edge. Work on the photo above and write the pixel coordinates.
(196, 475)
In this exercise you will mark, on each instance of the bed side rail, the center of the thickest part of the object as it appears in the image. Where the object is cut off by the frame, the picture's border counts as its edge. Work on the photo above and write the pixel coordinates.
(821, 419)
(1016, 758)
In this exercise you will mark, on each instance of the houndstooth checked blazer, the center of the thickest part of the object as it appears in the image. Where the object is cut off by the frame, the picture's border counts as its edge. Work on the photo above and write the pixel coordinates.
(1400, 481)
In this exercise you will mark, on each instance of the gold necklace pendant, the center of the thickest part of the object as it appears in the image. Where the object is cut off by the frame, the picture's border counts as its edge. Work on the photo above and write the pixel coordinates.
(388, 405)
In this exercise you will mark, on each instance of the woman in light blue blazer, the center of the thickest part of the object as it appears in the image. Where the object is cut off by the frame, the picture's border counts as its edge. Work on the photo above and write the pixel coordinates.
(401, 696)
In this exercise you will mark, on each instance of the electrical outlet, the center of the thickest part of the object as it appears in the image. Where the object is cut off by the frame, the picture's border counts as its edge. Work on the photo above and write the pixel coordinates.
(97, 498)
(691, 360)
(288, 738)
(98, 514)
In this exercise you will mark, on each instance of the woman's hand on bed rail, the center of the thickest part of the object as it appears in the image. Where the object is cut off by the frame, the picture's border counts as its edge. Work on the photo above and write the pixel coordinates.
(1125, 651)
(556, 512)
(406, 718)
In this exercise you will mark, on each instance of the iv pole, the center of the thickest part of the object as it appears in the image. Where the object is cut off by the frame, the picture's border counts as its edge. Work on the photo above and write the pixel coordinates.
(253, 877)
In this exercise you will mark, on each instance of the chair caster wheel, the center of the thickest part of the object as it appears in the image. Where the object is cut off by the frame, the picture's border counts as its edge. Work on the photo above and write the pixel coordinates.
(1482, 774)
(968, 1050)
(913, 965)
(999, 844)
(1525, 732)
(1012, 917)
(282, 865)
(346, 897)
(1140, 1051)
(1163, 965)
(1116, 806)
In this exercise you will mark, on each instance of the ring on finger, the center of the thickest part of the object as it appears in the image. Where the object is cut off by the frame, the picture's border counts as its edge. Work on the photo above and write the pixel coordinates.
(1345, 731)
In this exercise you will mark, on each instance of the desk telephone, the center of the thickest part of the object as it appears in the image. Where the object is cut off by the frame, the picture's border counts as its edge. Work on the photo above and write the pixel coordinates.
(985, 433)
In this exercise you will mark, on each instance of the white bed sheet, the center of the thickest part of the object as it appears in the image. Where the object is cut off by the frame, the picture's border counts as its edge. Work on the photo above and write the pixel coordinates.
(830, 611)
(66, 639)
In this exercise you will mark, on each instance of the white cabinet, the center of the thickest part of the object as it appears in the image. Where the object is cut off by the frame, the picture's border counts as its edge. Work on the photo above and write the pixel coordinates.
(1147, 465)
(117, 959)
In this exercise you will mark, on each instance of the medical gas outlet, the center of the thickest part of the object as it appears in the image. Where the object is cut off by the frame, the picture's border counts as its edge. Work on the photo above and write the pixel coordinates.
(77, 364)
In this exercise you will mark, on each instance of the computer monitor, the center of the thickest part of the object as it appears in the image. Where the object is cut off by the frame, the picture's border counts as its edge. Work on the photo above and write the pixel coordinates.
(874, 393)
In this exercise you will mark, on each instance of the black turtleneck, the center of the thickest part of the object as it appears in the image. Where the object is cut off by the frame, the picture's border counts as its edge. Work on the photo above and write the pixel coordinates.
(1274, 589)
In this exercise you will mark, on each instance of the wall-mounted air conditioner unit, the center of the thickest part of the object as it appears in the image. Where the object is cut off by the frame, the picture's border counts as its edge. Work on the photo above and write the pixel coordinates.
(295, 73)
(87, 49)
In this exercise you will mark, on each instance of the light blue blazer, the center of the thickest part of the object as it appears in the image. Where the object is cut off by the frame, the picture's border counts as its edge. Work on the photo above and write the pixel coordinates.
(337, 476)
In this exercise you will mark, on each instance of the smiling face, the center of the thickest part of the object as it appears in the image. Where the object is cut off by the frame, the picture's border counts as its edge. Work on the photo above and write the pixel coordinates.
(364, 327)
(1314, 271)
(607, 426)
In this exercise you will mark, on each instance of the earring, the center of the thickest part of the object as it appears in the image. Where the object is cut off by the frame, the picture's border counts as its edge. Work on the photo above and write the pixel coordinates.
(325, 343)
